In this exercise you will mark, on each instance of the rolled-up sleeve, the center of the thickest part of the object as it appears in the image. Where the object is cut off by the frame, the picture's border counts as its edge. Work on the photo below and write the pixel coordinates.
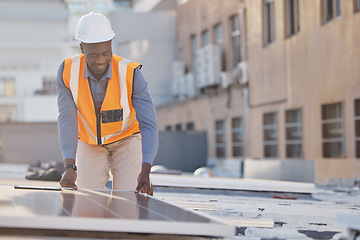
(67, 120)
(145, 114)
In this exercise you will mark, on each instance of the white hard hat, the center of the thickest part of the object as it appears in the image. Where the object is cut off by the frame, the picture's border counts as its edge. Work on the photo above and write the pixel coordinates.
(94, 28)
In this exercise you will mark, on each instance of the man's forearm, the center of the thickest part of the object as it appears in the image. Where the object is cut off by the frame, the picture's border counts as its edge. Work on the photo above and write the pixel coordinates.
(145, 114)
(67, 121)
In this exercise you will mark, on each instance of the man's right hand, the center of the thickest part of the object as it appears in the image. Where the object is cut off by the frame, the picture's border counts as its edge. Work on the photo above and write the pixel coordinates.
(68, 179)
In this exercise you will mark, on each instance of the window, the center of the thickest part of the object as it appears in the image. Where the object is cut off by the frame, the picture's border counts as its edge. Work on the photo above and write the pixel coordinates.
(193, 53)
(123, 4)
(48, 88)
(269, 21)
(292, 17)
(333, 130)
(270, 130)
(7, 87)
(205, 38)
(76, 6)
(220, 142)
(356, 5)
(1, 150)
(190, 126)
(7, 112)
(168, 128)
(293, 131)
(235, 41)
(357, 127)
(100, 6)
(218, 40)
(49, 85)
(237, 131)
(330, 10)
(178, 127)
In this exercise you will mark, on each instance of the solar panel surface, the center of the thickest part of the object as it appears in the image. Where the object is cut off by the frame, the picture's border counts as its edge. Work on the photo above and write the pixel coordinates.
(89, 211)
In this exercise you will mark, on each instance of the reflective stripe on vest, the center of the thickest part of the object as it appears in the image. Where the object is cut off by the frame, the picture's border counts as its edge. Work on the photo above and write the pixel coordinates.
(117, 99)
(123, 99)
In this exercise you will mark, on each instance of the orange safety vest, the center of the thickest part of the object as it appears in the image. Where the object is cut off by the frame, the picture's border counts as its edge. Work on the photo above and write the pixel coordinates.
(117, 118)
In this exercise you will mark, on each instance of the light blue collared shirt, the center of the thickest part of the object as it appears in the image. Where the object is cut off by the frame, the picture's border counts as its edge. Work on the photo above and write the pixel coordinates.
(98, 88)
(142, 102)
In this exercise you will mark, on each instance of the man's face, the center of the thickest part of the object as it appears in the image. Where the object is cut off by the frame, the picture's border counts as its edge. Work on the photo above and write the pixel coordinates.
(97, 56)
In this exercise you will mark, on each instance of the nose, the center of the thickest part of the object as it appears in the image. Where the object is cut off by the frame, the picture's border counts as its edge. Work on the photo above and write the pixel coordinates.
(100, 60)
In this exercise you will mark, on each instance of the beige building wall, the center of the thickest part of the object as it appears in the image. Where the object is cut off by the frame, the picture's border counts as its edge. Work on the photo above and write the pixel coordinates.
(318, 65)
(195, 16)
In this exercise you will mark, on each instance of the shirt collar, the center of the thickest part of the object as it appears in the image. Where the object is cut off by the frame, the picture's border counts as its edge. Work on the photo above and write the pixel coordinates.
(106, 75)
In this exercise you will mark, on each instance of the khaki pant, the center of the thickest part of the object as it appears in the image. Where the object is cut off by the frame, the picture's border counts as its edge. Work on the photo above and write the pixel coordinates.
(122, 158)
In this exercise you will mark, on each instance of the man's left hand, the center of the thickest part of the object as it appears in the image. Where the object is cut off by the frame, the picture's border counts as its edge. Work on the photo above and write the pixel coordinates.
(144, 180)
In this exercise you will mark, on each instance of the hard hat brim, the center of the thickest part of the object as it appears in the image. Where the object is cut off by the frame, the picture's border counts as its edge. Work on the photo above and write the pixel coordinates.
(85, 40)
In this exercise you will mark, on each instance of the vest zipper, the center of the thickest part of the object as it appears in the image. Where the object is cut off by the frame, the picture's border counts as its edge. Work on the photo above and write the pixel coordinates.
(98, 124)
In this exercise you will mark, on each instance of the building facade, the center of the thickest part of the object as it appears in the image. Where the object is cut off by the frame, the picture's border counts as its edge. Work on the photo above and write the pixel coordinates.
(32, 45)
(37, 35)
(271, 80)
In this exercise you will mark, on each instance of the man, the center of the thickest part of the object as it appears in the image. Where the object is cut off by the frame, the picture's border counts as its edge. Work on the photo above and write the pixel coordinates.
(106, 115)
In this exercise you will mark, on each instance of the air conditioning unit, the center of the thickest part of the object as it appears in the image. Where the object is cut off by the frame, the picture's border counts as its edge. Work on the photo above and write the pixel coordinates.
(207, 66)
(178, 70)
(225, 79)
(175, 87)
(212, 65)
(190, 84)
(182, 88)
(243, 72)
(200, 69)
(240, 73)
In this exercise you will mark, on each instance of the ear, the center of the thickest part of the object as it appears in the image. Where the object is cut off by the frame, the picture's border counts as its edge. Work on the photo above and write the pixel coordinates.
(81, 47)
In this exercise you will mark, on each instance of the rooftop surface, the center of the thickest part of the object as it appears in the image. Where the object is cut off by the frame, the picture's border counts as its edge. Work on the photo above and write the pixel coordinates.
(260, 209)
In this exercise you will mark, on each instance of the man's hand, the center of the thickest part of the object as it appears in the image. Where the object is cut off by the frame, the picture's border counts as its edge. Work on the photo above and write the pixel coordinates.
(69, 177)
(144, 180)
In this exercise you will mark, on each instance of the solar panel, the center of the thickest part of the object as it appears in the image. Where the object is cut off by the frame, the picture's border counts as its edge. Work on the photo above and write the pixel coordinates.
(85, 213)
